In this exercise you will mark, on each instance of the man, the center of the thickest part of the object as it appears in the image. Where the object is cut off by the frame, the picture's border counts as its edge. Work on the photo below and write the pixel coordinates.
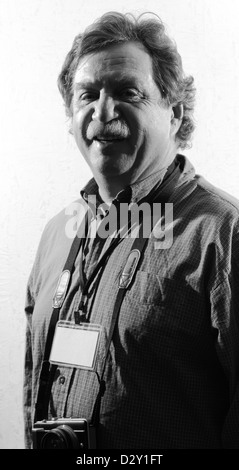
(166, 365)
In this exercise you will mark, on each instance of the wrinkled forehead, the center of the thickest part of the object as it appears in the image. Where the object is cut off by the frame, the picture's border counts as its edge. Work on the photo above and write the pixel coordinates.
(128, 58)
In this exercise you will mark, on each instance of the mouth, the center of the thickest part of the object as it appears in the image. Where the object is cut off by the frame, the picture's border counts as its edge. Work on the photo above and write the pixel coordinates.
(108, 139)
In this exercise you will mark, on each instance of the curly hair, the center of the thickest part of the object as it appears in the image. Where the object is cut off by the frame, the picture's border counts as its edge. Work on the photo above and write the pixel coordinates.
(115, 28)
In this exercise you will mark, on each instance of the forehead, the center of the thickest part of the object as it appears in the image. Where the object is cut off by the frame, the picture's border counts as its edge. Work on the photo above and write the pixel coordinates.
(128, 59)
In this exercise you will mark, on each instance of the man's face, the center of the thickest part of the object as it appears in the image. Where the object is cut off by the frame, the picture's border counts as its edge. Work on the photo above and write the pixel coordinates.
(120, 123)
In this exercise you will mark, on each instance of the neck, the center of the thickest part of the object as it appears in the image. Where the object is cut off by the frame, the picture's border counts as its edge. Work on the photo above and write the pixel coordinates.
(111, 185)
(109, 188)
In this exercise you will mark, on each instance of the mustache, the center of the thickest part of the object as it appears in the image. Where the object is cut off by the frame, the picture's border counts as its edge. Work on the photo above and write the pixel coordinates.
(117, 129)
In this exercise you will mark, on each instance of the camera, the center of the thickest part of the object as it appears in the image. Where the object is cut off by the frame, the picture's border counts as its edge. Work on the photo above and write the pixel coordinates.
(63, 433)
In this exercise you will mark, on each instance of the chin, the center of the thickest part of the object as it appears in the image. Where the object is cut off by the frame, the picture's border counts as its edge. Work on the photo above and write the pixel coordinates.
(109, 171)
(110, 165)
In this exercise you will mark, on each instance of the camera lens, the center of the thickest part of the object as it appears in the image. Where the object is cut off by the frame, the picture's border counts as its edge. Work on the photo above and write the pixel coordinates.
(62, 437)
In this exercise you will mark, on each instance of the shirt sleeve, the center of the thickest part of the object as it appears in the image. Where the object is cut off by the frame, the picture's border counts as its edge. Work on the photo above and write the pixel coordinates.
(28, 379)
(27, 384)
(53, 234)
(225, 319)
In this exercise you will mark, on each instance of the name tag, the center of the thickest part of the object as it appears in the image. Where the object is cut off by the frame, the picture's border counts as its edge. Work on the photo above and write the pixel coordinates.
(75, 345)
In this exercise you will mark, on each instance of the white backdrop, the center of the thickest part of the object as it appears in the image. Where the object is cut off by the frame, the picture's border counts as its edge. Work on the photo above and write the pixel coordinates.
(40, 168)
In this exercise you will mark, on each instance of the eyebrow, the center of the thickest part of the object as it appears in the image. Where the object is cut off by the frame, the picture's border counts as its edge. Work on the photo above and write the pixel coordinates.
(79, 85)
(122, 81)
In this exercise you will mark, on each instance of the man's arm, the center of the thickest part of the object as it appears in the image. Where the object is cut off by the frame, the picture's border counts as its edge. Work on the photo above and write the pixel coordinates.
(225, 303)
(27, 387)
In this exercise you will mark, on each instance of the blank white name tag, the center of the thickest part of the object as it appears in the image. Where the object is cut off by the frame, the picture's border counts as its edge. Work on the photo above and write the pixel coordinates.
(75, 345)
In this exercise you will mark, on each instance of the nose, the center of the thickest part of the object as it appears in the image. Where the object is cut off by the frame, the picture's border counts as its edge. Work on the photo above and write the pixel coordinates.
(105, 108)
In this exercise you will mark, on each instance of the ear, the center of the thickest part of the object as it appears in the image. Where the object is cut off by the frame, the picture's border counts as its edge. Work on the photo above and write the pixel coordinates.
(176, 117)
(178, 111)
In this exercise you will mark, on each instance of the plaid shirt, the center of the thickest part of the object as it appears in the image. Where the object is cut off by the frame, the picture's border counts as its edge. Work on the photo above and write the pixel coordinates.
(173, 367)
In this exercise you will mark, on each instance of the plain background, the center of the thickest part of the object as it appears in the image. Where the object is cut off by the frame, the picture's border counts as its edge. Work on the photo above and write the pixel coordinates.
(41, 169)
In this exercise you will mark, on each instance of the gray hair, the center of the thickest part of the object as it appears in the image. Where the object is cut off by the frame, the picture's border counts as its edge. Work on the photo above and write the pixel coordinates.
(115, 28)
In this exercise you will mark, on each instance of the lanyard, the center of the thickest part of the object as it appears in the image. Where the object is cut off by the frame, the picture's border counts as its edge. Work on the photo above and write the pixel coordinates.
(48, 371)
(108, 248)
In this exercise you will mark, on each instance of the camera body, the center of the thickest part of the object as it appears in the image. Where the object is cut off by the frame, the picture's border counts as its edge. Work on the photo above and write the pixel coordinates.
(63, 433)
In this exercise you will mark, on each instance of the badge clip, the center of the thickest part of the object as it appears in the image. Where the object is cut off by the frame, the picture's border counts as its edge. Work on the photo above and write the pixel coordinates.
(80, 313)
(80, 317)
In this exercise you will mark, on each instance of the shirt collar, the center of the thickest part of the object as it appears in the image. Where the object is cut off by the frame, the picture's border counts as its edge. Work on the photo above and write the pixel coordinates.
(133, 193)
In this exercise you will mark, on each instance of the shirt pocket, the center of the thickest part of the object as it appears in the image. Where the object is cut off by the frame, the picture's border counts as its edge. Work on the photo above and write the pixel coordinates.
(165, 304)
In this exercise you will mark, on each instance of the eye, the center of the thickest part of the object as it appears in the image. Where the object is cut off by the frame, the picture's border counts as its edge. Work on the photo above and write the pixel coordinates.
(88, 96)
(130, 94)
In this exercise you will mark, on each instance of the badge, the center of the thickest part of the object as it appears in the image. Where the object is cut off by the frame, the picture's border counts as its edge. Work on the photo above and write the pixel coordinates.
(75, 345)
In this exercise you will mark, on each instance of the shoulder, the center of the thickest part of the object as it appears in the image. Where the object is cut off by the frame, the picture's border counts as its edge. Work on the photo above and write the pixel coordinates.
(220, 209)
(217, 197)
(209, 213)
(217, 212)
(201, 193)
(76, 210)
(62, 228)
(55, 243)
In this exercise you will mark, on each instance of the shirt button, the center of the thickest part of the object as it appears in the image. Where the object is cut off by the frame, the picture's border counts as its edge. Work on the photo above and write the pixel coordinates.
(62, 379)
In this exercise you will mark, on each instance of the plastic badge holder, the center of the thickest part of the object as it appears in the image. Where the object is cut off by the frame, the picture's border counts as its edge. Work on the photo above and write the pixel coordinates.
(76, 345)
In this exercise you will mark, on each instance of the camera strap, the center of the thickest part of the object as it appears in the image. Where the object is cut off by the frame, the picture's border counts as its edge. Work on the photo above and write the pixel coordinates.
(124, 282)
(48, 370)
